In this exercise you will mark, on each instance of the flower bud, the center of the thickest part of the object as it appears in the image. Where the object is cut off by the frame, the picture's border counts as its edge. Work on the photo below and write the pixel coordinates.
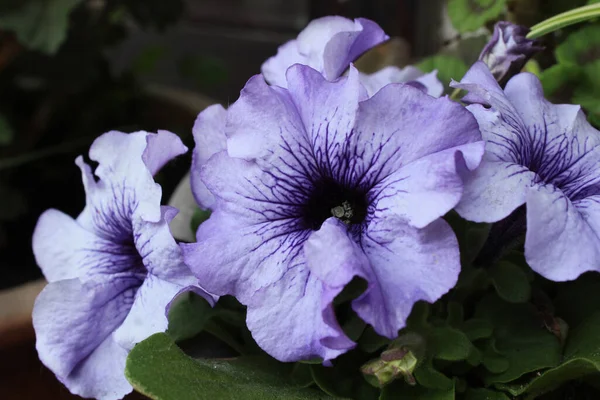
(508, 50)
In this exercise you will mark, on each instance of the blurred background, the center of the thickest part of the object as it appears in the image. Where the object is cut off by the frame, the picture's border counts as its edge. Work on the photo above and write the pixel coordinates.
(73, 69)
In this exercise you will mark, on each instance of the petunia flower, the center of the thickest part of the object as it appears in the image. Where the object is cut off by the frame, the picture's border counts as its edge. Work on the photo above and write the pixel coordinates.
(319, 183)
(508, 50)
(113, 270)
(330, 44)
(543, 155)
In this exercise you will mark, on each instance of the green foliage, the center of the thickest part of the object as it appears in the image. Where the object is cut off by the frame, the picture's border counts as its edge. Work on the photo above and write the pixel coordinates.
(6, 132)
(40, 25)
(511, 282)
(520, 337)
(581, 47)
(448, 67)
(158, 369)
(401, 390)
(188, 316)
(470, 15)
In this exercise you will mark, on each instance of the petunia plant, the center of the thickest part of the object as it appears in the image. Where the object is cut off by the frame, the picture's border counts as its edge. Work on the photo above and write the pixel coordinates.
(359, 236)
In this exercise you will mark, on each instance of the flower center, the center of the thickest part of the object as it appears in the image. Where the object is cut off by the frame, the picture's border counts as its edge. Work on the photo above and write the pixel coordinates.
(329, 198)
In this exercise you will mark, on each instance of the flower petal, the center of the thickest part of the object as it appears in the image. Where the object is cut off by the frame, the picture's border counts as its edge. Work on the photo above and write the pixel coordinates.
(148, 312)
(161, 148)
(427, 188)
(291, 321)
(408, 265)
(374, 82)
(494, 190)
(102, 374)
(61, 245)
(72, 319)
(125, 186)
(401, 124)
(209, 136)
(327, 44)
(235, 257)
(560, 244)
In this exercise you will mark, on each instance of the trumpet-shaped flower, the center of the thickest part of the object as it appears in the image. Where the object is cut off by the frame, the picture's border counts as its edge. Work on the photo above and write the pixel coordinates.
(543, 155)
(319, 183)
(112, 271)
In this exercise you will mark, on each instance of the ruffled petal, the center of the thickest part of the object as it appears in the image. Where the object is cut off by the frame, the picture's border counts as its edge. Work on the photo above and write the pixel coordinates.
(327, 44)
(429, 82)
(102, 374)
(148, 312)
(560, 243)
(209, 137)
(71, 320)
(494, 190)
(401, 124)
(61, 246)
(235, 257)
(408, 265)
(291, 321)
(161, 148)
(125, 186)
(427, 188)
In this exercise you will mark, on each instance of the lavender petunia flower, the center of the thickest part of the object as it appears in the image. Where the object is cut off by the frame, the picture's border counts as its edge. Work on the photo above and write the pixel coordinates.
(539, 154)
(319, 183)
(508, 50)
(327, 44)
(113, 270)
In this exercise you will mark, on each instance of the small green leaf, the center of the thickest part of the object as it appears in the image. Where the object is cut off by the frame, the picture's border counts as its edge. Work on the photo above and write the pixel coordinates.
(477, 328)
(511, 282)
(448, 68)
(158, 369)
(448, 344)
(470, 15)
(582, 358)
(485, 394)
(560, 81)
(429, 377)
(520, 337)
(40, 25)
(188, 316)
(6, 132)
(400, 390)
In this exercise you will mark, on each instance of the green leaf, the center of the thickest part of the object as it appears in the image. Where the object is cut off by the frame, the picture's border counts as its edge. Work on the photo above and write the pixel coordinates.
(429, 377)
(188, 316)
(40, 25)
(448, 68)
(470, 15)
(400, 390)
(485, 394)
(6, 132)
(477, 328)
(370, 341)
(519, 336)
(511, 282)
(582, 358)
(157, 368)
(581, 47)
(448, 344)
